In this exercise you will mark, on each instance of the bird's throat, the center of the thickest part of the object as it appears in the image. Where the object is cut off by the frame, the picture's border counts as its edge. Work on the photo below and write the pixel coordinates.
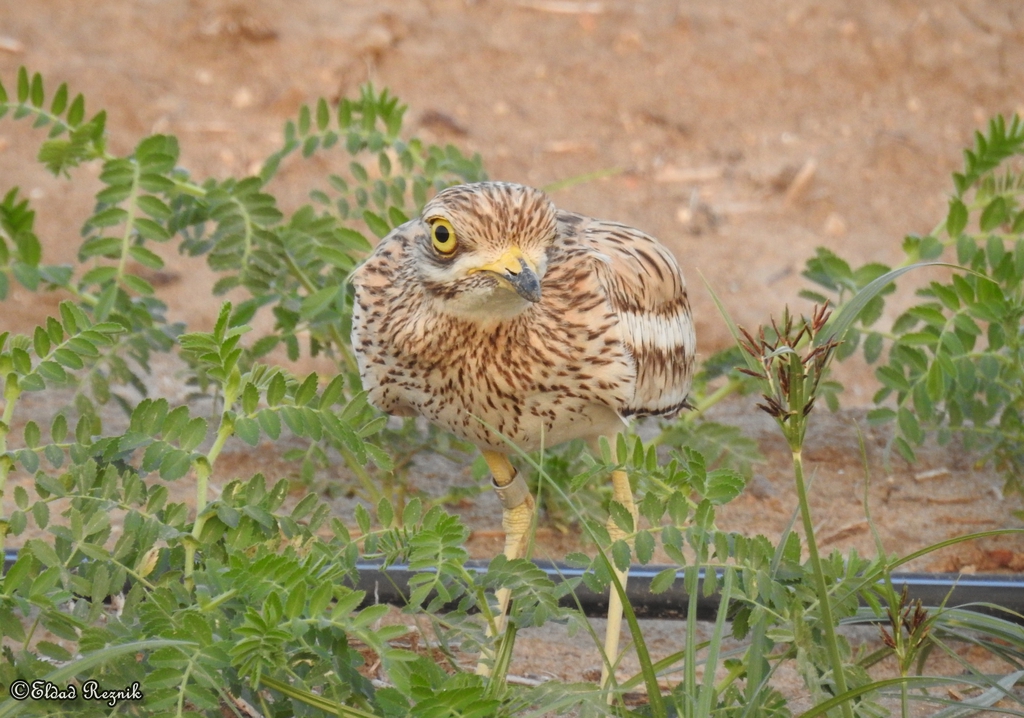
(489, 309)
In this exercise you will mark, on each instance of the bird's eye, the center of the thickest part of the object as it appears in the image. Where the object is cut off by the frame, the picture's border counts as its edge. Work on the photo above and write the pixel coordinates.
(443, 235)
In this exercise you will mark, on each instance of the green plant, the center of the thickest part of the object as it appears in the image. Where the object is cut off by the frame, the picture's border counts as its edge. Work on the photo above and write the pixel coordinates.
(955, 361)
(195, 575)
(295, 266)
(791, 381)
(789, 361)
(242, 601)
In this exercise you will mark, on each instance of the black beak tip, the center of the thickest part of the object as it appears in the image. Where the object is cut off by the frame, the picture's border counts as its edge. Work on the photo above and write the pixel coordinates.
(526, 283)
(530, 290)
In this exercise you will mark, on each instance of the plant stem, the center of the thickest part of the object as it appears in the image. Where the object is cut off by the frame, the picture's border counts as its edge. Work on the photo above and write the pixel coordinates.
(347, 358)
(756, 663)
(707, 690)
(129, 223)
(728, 388)
(11, 393)
(831, 644)
(373, 493)
(692, 638)
(204, 467)
(227, 428)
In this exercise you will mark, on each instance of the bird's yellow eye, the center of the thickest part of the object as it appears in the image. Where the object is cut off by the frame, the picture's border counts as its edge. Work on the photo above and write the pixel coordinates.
(443, 235)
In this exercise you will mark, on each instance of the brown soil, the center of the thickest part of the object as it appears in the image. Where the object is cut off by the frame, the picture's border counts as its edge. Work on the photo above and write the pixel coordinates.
(744, 134)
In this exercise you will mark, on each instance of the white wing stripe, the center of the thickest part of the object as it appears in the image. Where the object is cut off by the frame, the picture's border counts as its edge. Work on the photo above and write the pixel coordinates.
(659, 332)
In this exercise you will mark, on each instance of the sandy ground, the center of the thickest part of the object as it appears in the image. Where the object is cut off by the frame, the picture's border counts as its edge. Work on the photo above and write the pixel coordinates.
(743, 133)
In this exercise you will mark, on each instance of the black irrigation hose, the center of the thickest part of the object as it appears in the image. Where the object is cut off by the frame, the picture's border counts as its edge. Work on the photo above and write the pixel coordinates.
(391, 585)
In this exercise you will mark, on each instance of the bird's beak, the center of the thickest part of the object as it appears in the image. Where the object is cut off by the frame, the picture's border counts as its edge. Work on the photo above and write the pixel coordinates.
(518, 271)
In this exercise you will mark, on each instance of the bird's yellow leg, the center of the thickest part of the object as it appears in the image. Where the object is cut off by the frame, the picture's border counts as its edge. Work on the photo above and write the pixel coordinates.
(517, 516)
(623, 495)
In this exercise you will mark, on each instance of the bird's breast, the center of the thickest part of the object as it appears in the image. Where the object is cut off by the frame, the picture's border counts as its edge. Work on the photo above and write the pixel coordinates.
(532, 382)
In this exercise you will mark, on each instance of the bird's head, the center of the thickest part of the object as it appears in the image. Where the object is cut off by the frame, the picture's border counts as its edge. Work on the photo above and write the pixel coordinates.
(483, 250)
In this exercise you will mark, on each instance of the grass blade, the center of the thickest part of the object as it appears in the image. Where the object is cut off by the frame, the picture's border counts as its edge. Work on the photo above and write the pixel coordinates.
(985, 700)
(707, 690)
(312, 699)
(848, 313)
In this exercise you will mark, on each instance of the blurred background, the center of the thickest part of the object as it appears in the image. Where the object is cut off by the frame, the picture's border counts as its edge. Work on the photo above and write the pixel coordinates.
(743, 133)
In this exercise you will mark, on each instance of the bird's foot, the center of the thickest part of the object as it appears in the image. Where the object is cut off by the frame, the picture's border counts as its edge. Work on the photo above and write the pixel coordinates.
(517, 518)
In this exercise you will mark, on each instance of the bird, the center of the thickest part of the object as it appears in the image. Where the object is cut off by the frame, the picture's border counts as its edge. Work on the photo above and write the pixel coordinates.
(516, 325)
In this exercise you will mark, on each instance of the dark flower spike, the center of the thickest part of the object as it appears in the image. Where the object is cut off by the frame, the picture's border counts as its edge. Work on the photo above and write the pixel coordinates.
(793, 363)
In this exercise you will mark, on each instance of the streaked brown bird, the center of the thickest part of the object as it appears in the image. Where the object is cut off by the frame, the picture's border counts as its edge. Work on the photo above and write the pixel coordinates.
(506, 321)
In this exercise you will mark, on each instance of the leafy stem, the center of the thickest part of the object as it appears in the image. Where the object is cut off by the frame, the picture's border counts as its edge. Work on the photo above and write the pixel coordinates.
(204, 468)
(730, 387)
(129, 222)
(12, 392)
(347, 357)
(368, 483)
(790, 382)
(820, 584)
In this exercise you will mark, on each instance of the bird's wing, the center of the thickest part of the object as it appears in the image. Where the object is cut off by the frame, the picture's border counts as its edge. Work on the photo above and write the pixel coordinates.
(381, 310)
(647, 292)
